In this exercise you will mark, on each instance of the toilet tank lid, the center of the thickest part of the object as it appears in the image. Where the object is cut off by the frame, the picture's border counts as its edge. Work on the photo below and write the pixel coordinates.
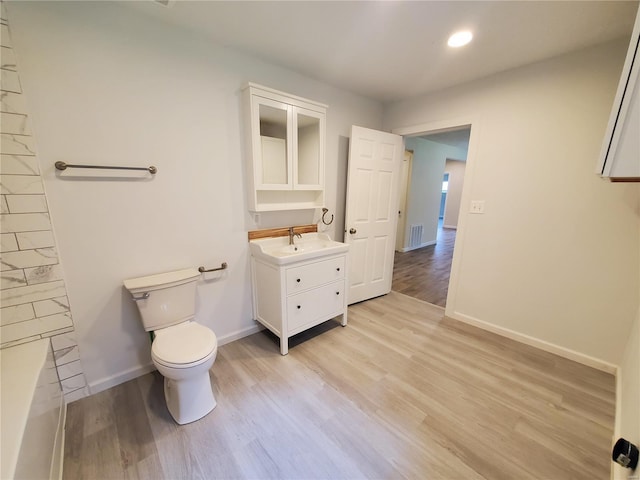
(161, 280)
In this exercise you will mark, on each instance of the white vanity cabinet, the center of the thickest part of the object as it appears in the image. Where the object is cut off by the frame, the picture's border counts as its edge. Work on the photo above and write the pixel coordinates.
(620, 157)
(288, 299)
(285, 141)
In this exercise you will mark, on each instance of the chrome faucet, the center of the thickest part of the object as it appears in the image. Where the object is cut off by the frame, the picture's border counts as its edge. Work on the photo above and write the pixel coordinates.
(291, 235)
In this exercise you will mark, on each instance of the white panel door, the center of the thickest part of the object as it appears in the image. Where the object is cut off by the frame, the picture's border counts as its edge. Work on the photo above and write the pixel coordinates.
(375, 159)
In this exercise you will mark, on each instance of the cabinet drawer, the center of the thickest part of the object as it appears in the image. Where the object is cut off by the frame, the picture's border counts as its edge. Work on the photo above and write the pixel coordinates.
(314, 274)
(307, 309)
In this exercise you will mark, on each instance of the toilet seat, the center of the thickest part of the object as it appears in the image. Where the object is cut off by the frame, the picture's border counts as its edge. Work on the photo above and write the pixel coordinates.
(184, 345)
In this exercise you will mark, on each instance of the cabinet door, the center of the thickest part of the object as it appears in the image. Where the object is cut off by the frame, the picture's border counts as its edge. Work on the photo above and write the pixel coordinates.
(308, 149)
(620, 158)
(272, 144)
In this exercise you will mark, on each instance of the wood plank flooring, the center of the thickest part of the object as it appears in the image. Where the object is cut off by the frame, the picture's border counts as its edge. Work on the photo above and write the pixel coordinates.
(424, 273)
(401, 392)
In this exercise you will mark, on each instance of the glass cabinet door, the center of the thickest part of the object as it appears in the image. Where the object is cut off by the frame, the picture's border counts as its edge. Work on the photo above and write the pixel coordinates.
(274, 167)
(309, 139)
(285, 145)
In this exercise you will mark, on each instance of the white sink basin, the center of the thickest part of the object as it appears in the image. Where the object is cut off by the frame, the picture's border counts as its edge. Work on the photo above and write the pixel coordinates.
(311, 245)
(290, 250)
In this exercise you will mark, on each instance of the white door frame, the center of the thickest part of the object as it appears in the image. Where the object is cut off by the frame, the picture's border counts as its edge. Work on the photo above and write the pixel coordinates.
(405, 182)
(465, 200)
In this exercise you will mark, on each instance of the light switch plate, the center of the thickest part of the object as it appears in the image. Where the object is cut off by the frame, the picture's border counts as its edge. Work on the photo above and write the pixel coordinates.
(477, 206)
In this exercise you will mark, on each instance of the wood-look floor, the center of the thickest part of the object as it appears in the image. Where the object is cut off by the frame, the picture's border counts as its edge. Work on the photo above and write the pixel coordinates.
(424, 273)
(401, 392)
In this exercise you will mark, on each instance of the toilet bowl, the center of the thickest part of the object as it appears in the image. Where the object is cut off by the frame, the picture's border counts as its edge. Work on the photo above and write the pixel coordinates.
(187, 385)
(183, 351)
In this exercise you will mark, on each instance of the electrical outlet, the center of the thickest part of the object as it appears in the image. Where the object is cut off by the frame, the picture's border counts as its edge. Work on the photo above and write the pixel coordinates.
(477, 206)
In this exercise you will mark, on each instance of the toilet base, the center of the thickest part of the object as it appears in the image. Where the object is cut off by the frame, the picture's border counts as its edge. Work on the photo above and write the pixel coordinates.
(190, 399)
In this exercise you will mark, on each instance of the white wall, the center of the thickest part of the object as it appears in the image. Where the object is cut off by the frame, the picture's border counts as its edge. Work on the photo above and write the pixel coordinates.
(455, 169)
(425, 186)
(628, 405)
(628, 391)
(109, 86)
(555, 256)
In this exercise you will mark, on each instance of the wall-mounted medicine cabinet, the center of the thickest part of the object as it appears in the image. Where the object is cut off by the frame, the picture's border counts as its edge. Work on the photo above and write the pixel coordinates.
(285, 148)
(620, 158)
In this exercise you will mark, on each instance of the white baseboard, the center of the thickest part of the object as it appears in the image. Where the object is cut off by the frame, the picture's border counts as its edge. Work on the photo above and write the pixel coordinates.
(541, 344)
(113, 380)
(238, 334)
(426, 244)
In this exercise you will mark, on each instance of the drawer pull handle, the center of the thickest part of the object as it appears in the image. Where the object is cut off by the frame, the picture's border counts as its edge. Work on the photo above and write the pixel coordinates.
(298, 280)
(298, 307)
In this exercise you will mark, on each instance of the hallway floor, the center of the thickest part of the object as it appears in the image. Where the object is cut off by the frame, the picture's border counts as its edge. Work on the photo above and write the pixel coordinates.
(424, 273)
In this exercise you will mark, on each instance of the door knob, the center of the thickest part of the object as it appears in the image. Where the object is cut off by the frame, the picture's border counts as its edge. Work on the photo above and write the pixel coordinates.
(352, 231)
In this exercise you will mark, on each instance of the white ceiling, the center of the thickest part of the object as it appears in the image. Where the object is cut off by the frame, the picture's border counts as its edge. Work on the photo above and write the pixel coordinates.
(390, 50)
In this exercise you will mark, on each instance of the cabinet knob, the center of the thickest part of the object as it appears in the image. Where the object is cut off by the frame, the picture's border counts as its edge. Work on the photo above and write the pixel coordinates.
(337, 293)
(298, 280)
(338, 269)
(298, 307)
(352, 231)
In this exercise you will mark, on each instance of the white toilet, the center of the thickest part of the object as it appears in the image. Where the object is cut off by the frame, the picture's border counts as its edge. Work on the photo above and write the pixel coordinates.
(183, 351)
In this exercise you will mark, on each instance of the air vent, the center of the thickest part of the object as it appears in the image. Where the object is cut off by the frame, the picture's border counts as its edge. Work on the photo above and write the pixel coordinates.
(415, 236)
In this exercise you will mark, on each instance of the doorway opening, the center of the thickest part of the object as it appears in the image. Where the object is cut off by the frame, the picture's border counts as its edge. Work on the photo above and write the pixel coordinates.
(425, 246)
(443, 199)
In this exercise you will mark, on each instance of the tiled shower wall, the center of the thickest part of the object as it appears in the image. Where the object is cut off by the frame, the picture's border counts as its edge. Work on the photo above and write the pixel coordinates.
(33, 296)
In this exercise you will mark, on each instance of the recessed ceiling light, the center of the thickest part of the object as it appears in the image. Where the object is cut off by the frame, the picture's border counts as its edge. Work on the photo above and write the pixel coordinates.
(459, 39)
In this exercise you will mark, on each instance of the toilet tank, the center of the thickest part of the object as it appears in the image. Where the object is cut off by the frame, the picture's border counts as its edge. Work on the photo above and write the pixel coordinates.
(165, 299)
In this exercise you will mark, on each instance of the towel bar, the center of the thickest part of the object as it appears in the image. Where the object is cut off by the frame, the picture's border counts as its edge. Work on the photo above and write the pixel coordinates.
(63, 166)
(223, 266)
